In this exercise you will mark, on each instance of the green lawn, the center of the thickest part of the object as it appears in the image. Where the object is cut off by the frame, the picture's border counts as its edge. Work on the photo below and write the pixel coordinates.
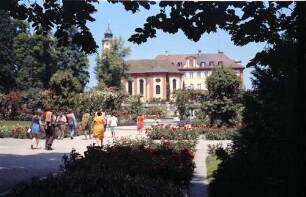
(15, 123)
(212, 164)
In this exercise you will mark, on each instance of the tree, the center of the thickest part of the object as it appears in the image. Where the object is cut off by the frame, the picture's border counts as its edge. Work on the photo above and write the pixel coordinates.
(64, 84)
(35, 60)
(7, 70)
(111, 67)
(246, 22)
(223, 105)
(181, 100)
(258, 160)
(74, 61)
(58, 15)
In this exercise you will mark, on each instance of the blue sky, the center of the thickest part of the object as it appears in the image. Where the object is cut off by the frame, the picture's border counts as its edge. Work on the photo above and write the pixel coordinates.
(123, 23)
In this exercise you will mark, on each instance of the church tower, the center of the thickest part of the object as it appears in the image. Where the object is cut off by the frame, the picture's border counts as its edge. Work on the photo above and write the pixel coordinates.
(106, 42)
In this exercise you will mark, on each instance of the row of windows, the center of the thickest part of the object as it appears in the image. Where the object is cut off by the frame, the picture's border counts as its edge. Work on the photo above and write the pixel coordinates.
(141, 86)
(191, 64)
(191, 86)
(202, 74)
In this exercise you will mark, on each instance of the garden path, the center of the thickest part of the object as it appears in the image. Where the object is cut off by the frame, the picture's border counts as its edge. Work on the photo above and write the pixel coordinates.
(19, 163)
(199, 184)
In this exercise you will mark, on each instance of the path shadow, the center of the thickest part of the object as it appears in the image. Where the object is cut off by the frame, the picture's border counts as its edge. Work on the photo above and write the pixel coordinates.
(19, 168)
(197, 187)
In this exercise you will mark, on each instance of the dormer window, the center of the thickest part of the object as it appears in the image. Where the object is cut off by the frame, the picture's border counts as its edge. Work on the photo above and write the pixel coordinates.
(211, 63)
(190, 63)
(179, 64)
(220, 63)
(202, 64)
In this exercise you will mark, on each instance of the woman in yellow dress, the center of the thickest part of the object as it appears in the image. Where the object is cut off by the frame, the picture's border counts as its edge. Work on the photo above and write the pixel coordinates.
(98, 131)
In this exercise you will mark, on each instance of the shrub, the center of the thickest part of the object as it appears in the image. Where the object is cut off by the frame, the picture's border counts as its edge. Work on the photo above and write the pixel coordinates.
(97, 182)
(221, 135)
(172, 133)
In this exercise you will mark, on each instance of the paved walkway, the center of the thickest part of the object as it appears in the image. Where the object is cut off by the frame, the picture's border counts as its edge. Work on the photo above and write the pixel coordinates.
(199, 184)
(19, 163)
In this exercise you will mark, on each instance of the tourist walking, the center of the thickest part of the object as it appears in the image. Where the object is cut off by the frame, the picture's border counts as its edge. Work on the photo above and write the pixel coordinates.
(61, 125)
(113, 125)
(140, 123)
(86, 124)
(35, 129)
(108, 118)
(49, 119)
(98, 128)
(71, 123)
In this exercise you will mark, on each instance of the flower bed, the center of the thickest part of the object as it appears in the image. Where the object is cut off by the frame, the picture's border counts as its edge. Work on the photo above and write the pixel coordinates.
(169, 132)
(128, 168)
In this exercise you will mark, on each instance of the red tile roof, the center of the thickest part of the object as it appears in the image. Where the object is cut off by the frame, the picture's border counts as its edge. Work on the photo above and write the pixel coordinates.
(215, 57)
(151, 66)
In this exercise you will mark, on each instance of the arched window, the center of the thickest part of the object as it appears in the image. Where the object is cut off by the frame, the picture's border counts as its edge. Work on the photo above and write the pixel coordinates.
(190, 62)
(174, 84)
(130, 87)
(141, 86)
(157, 89)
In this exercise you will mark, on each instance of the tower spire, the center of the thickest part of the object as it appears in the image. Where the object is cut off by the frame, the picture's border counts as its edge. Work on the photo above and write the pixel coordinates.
(108, 36)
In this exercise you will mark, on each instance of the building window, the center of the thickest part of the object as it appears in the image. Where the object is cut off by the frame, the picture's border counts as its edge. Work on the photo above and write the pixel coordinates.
(174, 84)
(130, 87)
(157, 80)
(179, 64)
(157, 89)
(191, 86)
(198, 74)
(187, 75)
(211, 63)
(206, 73)
(199, 86)
(190, 62)
(220, 63)
(191, 74)
(202, 64)
(141, 86)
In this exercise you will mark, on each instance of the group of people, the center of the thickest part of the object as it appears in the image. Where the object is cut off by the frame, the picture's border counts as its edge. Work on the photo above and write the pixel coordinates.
(100, 124)
(50, 123)
(47, 122)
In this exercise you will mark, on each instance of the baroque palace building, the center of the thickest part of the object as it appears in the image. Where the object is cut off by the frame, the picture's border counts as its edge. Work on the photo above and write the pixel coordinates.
(150, 77)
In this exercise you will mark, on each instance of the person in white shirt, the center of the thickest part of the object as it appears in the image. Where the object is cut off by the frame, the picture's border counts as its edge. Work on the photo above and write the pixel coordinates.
(113, 124)
(108, 118)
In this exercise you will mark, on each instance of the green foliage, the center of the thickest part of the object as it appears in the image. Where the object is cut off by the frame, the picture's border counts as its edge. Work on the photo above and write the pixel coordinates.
(64, 84)
(129, 168)
(136, 106)
(223, 83)
(188, 99)
(181, 99)
(7, 34)
(70, 59)
(172, 133)
(14, 129)
(35, 59)
(60, 17)
(106, 100)
(223, 105)
(271, 140)
(212, 163)
(221, 135)
(97, 182)
(111, 68)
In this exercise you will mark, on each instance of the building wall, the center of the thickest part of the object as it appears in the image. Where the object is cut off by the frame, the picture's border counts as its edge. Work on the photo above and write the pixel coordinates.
(150, 82)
